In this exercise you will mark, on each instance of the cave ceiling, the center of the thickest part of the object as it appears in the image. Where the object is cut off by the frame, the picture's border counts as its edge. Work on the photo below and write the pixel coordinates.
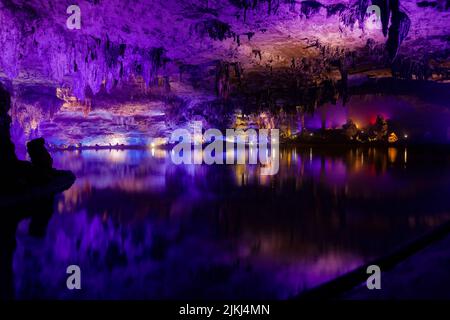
(211, 50)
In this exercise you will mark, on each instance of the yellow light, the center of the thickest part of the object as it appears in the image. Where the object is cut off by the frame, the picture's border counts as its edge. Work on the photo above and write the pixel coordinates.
(392, 138)
(158, 142)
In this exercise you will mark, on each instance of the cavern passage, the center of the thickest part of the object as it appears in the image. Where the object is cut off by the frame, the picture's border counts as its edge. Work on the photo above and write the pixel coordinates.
(359, 90)
(137, 69)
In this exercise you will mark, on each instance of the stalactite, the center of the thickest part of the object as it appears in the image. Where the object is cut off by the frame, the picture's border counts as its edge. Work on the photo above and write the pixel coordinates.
(400, 24)
(272, 5)
(222, 79)
(355, 12)
(249, 35)
(238, 71)
(257, 53)
(344, 81)
(334, 9)
(81, 61)
(215, 29)
(309, 8)
(385, 8)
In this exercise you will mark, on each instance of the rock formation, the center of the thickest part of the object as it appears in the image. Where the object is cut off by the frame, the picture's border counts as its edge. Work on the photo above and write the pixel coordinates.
(132, 61)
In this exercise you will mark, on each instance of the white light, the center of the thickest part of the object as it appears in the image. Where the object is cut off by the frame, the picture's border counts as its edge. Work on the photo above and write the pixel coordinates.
(405, 136)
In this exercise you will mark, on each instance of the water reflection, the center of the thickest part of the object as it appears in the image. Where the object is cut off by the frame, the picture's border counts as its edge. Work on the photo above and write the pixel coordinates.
(141, 227)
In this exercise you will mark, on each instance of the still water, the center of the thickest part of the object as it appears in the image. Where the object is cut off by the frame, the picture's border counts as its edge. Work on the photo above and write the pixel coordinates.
(141, 227)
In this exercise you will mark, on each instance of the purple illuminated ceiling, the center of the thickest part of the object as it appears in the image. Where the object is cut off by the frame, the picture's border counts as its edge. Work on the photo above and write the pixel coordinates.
(136, 69)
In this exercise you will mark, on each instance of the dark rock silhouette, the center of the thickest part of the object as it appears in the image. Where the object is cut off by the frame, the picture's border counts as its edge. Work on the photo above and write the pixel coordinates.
(27, 190)
(39, 155)
(7, 152)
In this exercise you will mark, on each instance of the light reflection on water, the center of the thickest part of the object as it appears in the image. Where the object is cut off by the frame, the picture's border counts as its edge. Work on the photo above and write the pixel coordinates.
(140, 227)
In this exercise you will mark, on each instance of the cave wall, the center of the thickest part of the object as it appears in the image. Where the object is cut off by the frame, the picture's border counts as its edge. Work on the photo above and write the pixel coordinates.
(137, 69)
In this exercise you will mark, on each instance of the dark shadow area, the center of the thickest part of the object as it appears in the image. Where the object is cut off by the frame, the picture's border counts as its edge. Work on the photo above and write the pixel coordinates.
(40, 212)
(27, 190)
